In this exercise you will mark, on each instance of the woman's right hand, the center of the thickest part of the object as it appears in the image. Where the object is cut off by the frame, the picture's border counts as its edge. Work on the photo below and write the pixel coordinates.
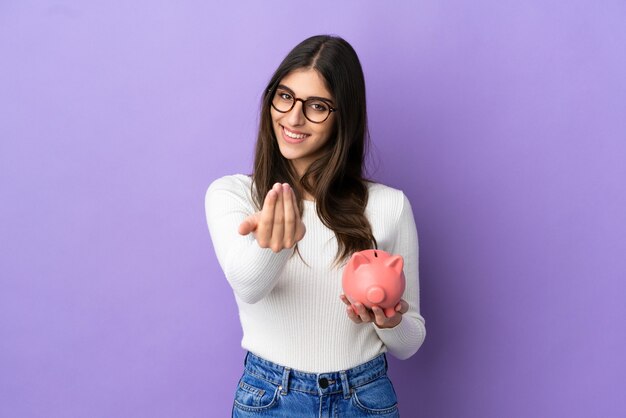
(278, 224)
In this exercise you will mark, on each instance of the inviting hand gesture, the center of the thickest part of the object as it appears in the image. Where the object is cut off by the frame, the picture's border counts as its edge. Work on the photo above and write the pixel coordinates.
(358, 313)
(278, 224)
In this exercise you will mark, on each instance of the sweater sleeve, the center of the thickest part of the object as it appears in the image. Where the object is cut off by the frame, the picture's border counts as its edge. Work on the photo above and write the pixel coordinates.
(403, 340)
(252, 271)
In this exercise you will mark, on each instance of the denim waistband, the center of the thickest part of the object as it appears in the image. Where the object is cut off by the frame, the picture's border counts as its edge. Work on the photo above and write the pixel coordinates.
(316, 383)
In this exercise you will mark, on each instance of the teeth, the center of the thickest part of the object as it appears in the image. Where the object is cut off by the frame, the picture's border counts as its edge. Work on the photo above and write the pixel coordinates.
(292, 135)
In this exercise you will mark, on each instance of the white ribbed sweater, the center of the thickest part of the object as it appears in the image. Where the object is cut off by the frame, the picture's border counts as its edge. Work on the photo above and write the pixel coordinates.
(291, 313)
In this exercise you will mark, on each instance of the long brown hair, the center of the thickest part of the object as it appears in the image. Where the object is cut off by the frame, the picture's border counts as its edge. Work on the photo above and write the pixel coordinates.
(336, 179)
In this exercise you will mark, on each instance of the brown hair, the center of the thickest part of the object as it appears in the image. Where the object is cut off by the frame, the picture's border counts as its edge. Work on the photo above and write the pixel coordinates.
(336, 179)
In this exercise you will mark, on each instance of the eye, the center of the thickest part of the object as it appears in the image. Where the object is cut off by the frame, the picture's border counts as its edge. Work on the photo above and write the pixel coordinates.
(284, 95)
(318, 106)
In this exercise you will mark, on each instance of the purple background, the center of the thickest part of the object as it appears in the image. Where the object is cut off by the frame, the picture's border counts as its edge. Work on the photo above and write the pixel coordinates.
(504, 122)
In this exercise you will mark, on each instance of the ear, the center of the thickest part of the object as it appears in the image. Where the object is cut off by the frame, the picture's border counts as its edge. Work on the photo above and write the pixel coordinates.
(358, 260)
(396, 263)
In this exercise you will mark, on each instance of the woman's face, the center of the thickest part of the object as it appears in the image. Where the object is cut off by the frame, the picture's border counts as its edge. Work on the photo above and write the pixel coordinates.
(300, 140)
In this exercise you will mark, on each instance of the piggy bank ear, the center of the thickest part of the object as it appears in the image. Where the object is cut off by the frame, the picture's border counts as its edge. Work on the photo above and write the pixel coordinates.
(358, 260)
(396, 263)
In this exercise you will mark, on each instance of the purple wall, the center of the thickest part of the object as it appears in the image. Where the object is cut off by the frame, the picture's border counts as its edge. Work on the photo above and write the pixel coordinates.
(504, 124)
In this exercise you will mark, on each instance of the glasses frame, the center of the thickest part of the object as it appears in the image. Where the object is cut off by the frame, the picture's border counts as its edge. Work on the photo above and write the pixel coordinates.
(331, 109)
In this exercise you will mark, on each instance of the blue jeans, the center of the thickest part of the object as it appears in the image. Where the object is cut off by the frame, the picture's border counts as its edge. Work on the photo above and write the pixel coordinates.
(269, 390)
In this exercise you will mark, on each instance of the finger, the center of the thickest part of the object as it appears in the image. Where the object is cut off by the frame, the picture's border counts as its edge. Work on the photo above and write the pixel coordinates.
(294, 202)
(345, 300)
(402, 306)
(264, 228)
(379, 315)
(278, 229)
(300, 228)
(352, 315)
(362, 312)
(290, 217)
(247, 226)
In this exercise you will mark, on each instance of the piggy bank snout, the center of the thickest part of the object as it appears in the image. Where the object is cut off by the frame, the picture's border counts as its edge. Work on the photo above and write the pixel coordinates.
(375, 294)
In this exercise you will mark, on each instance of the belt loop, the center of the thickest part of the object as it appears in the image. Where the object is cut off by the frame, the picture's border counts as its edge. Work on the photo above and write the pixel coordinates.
(245, 359)
(345, 384)
(285, 383)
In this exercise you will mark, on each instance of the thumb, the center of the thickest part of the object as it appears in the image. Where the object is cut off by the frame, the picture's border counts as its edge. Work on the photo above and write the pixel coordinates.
(248, 225)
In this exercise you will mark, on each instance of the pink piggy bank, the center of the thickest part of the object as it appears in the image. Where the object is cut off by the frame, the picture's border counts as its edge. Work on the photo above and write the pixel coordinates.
(374, 277)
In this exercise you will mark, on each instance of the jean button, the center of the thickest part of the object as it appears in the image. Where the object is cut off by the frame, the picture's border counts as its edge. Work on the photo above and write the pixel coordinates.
(323, 383)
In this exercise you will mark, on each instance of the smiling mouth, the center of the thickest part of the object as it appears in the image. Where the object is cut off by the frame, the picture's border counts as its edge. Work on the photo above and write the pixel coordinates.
(292, 136)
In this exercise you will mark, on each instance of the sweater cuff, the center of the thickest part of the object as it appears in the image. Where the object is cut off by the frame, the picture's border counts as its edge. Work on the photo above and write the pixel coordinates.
(403, 340)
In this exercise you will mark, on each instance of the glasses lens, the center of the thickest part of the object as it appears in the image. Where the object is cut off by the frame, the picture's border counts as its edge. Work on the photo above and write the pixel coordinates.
(316, 110)
(283, 100)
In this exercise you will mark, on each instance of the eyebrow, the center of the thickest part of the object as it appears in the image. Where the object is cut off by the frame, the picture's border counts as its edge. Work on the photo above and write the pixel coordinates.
(282, 86)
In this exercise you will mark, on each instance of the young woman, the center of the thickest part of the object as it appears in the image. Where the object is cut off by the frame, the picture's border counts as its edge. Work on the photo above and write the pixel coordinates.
(283, 235)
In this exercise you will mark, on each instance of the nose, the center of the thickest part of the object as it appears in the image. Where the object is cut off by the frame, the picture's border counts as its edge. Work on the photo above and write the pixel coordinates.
(295, 117)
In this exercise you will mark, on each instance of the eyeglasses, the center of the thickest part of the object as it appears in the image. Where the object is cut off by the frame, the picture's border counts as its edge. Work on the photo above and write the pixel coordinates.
(315, 109)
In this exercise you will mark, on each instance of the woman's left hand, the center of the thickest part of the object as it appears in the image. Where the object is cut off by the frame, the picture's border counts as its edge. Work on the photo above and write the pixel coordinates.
(358, 313)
